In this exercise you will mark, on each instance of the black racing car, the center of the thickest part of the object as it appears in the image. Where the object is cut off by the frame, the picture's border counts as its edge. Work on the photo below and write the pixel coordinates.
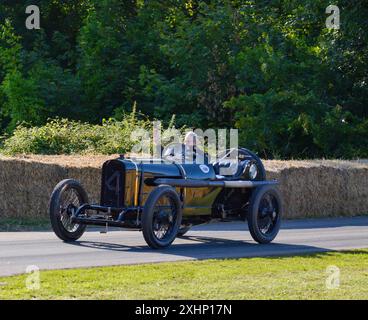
(164, 199)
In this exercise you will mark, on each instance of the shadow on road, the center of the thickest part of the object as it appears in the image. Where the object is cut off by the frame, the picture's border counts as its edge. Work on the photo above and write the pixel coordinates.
(322, 223)
(209, 247)
(316, 223)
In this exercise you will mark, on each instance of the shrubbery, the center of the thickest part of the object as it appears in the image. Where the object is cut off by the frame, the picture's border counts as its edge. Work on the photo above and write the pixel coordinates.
(62, 136)
(293, 88)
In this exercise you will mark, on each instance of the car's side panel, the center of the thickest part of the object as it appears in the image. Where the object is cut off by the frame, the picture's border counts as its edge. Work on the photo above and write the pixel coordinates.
(146, 188)
(198, 201)
(198, 171)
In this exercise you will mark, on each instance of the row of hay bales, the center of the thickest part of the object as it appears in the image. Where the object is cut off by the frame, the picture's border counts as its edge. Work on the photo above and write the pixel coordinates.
(317, 188)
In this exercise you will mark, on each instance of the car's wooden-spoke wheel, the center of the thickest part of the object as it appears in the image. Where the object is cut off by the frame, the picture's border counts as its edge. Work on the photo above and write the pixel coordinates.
(70, 201)
(164, 217)
(161, 217)
(66, 198)
(264, 216)
(268, 213)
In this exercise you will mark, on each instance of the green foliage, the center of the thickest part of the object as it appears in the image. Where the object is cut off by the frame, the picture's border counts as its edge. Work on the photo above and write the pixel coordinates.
(62, 136)
(9, 48)
(287, 125)
(292, 87)
(22, 100)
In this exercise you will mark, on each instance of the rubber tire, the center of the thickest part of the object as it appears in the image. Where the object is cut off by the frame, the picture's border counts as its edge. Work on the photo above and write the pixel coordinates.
(147, 217)
(54, 213)
(256, 197)
(182, 231)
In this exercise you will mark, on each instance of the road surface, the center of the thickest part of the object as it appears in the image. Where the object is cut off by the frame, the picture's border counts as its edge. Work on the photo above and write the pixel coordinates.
(218, 240)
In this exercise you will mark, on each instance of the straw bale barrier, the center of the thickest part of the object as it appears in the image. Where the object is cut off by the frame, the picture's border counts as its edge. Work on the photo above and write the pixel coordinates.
(317, 188)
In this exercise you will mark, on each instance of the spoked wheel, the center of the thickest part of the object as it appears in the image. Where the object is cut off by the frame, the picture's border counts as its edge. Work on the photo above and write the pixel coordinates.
(66, 198)
(161, 217)
(264, 216)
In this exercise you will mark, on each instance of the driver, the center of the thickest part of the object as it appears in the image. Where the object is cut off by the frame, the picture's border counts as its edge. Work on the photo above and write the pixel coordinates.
(188, 152)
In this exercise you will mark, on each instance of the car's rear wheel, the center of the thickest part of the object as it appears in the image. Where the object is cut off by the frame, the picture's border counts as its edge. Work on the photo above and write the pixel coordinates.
(264, 215)
(66, 198)
(161, 217)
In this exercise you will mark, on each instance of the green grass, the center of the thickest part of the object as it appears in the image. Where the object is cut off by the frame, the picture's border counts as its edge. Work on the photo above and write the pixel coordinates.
(24, 224)
(301, 277)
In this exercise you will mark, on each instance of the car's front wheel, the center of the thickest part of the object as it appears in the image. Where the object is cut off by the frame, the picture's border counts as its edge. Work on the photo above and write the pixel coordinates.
(66, 198)
(264, 215)
(161, 217)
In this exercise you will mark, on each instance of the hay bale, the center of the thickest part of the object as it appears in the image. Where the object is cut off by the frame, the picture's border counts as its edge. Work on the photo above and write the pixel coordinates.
(319, 188)
(27, 182)
(316, 188)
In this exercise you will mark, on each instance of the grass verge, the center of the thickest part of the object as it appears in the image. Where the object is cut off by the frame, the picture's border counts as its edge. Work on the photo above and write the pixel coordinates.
(300, 277)
(24, 224)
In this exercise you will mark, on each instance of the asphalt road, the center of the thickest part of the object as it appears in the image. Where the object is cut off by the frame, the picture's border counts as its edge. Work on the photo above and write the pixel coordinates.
(221, 240)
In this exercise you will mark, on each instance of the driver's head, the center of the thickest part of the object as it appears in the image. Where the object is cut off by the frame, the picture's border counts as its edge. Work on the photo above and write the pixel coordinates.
(190, 139)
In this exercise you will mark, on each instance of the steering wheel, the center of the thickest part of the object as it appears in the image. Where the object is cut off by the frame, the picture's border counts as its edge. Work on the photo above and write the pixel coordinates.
(243, 152)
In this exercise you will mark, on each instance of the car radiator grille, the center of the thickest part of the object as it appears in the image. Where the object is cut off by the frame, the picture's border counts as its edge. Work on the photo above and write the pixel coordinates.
(113, 184)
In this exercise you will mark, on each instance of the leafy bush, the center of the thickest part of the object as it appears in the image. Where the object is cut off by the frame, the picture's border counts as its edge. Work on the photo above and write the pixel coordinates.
(63, 136)
(289, 125)
(293, 88)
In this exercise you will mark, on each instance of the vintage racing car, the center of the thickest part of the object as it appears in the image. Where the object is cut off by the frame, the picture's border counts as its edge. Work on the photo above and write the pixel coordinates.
(164, 199)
